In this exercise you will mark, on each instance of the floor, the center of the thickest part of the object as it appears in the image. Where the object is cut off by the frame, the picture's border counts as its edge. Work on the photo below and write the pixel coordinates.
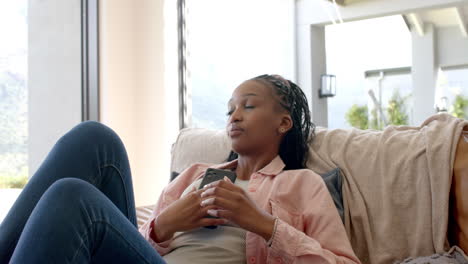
(7, 198)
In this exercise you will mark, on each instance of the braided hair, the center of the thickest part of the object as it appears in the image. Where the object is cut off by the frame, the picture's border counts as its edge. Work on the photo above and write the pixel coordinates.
(294, 146)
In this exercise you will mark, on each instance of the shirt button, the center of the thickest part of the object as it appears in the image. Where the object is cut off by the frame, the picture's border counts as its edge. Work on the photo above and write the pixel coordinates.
(252, 260)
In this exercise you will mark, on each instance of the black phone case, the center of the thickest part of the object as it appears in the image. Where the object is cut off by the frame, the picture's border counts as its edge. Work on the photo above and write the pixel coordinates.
(212, 175)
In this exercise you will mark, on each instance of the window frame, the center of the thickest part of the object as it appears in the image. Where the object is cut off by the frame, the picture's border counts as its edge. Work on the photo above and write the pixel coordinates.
(185, 109)
(90, 60)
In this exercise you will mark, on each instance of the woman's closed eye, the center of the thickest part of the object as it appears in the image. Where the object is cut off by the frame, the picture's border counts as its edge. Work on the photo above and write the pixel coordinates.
(245, 107)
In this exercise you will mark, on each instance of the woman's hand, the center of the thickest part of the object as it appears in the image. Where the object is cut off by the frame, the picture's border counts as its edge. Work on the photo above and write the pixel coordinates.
(236, 206)
(183, 215)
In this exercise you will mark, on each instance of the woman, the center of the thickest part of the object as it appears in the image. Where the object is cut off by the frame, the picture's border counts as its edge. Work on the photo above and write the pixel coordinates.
(274, 212)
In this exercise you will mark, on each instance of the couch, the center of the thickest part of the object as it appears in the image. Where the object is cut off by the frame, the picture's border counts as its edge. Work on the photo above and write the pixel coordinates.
(403, 191)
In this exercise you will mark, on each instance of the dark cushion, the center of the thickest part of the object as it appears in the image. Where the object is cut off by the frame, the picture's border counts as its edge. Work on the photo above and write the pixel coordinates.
(334, 182)
(174, 174)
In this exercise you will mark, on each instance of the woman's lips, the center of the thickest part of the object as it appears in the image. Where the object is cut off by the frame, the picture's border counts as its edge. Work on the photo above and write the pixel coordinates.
(235, 132)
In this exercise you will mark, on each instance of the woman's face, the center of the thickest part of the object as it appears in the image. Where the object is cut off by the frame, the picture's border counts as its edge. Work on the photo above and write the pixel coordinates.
(255, 119)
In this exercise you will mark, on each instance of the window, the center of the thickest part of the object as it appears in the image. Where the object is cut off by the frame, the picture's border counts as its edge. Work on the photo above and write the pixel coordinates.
(452, 91)
(356, 48)
(228, 42)
(389, 101)
(13, 94)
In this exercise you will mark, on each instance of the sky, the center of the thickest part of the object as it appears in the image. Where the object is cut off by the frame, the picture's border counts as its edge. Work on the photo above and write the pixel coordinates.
(14, 36)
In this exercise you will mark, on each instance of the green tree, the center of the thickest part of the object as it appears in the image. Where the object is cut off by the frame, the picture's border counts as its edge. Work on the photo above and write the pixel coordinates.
(459, 106)
(357, 116)
(396, 110)
(13, 128)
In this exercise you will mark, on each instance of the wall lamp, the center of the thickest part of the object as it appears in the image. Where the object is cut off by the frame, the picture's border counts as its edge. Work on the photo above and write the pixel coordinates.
(441, 105)
(328, 88)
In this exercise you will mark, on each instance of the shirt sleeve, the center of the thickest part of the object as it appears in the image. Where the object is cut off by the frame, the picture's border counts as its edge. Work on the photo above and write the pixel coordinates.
(170, 194)
(147, 229)
(323, 239)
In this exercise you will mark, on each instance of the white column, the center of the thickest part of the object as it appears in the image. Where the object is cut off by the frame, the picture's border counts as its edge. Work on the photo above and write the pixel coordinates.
(133, 96)
(54, 74)
(311, 64)
(424, 72)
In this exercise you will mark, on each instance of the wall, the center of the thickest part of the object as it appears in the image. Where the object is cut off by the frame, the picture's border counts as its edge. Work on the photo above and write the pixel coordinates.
(311, 64)
(54, 74)
(133, 95)
(452, 47)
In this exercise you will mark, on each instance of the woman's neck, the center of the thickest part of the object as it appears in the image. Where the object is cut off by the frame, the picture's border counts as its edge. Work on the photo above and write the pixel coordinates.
(246, 165)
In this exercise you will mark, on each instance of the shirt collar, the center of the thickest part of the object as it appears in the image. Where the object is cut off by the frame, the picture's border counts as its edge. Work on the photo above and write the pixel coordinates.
(271, 169)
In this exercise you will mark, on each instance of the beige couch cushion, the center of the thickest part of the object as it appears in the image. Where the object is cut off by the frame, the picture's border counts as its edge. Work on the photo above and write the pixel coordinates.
(143, 213)
(199, 145)
(192, 145)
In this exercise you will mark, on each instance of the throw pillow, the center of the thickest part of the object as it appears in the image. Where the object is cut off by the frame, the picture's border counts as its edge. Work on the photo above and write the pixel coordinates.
(334, 182)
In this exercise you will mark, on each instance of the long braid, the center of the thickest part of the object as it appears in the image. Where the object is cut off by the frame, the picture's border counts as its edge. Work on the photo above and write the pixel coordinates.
(294, 148)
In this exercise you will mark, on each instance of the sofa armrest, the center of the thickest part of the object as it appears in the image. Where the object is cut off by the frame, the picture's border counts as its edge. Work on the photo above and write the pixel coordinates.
(458, 217)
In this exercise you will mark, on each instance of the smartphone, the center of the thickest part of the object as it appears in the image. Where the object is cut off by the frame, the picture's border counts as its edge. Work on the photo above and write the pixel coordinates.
(212, 175)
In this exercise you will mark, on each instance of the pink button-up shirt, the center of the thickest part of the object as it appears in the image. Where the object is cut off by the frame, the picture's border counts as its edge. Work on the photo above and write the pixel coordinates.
(309, 229)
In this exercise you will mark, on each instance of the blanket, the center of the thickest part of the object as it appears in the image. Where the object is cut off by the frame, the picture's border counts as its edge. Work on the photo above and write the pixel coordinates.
(396, 185)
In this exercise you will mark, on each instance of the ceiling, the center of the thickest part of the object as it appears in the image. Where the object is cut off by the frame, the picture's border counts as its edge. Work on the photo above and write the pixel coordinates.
(445, 17)
(456, 16)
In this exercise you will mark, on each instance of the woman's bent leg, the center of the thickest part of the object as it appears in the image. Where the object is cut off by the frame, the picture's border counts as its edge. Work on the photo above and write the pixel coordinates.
(91, 152)
(75, 223)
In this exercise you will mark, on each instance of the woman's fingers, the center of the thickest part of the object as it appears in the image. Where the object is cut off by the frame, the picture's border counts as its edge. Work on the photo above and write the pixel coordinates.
(226, 184)
(204, 210)
(221, 191)
(228, 204)
(225, 214)
(224, 198)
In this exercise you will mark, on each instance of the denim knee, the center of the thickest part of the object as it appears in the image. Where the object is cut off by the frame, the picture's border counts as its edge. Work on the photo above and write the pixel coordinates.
(92, 130)
(66, 192)
(92, 126)
(90, 134)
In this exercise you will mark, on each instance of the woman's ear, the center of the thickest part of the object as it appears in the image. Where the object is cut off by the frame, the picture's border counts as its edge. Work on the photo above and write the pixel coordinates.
(286, 124)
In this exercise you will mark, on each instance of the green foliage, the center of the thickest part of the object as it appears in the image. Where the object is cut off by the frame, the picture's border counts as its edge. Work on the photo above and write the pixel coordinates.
(13, 130)
(459, 106)
(13, 181)
(374, 122)
(396, 110)
(357, 116)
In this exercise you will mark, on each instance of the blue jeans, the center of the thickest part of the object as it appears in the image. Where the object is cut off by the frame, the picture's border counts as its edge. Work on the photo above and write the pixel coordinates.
(78, 207)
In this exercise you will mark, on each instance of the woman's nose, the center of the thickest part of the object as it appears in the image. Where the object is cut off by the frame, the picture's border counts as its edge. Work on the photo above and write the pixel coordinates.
(235, 116)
